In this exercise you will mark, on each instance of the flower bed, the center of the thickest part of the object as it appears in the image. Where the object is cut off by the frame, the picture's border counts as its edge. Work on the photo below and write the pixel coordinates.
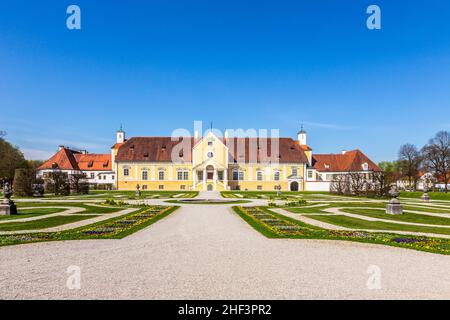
(109, 229)
(278, 226)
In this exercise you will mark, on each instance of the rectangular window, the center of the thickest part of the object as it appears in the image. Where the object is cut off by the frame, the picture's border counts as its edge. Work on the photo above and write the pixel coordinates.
(112, 177)
(294, 171)
(182, 187)
(161, 175)
(241, 175)
(235, 175)
(161, 187)
(220, 175)
(200, 175)
(259, 188)
(144, 175)
(92, 175)
(186, 175)
(259, 176)
(126, 172)
(310, 174)
(276, 176)
(180, 175)
(144, 187)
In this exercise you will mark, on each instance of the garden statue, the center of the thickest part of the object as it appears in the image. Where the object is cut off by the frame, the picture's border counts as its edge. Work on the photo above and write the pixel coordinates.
(38, 189)
(138, 192)
(278, 188)
(394, 206)
(7, 207)
(425, 197)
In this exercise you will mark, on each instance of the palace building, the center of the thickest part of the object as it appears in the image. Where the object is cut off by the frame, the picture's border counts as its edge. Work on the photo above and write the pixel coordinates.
(210, 163)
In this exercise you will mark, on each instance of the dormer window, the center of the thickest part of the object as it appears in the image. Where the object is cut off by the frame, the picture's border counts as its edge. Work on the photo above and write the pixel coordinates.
(90, 164)
(365, 166)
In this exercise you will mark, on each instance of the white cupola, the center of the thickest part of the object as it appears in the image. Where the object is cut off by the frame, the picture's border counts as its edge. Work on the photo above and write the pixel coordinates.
(120, 135)
(301, 136)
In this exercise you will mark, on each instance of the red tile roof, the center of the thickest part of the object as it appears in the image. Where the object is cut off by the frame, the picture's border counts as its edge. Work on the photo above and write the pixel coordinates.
(94, 162)
(159, 149)
(346, 162)
(67, 159)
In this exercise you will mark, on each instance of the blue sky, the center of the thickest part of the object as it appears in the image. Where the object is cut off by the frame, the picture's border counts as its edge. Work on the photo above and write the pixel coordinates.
(155, 66)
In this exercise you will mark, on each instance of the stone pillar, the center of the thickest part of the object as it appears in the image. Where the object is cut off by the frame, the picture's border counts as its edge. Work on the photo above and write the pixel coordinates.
(204, 178)
(225, 178)
(194, 178)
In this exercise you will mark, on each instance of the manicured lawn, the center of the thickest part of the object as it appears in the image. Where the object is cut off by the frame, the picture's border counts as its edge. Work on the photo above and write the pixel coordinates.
(305, 210)
(354, 223)
(273, 225)
(406, 217)
(43, 223)
(269, 194)
(113, 228)
(88, 208)
(27, 213)
(433, 195)
(124, 195)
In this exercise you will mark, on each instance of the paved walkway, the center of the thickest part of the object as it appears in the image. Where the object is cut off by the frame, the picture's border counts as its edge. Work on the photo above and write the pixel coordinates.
(207, 252)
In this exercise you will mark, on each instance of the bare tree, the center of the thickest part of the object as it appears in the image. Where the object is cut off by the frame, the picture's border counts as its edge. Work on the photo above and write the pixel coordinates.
(436, 155)
(78, 183)
(382, 182)
(409, 162)
(340, 184)
(358, 183)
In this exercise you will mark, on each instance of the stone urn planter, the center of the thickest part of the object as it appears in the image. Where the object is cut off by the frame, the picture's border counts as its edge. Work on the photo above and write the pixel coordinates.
(394, 206)
(7, 207)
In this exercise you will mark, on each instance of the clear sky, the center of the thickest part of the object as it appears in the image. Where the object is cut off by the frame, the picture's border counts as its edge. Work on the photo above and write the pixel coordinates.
(155, 66)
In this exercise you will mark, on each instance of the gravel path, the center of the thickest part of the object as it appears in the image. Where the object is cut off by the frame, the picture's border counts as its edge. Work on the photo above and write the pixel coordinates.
(207, 252)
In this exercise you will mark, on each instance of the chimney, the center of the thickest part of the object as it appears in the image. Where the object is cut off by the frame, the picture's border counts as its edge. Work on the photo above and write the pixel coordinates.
(225, 134)
(196, 135)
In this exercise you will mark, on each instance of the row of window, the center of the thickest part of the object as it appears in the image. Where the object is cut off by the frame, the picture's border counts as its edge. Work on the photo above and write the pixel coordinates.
(238, 175)
(161, 187)
(181, 175)
(100, 177)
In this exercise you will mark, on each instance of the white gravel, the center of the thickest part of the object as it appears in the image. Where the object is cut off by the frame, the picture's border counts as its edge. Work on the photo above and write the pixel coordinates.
(207, 252)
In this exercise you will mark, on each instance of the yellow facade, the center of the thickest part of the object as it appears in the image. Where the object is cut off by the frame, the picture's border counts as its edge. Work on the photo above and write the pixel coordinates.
(210, 169)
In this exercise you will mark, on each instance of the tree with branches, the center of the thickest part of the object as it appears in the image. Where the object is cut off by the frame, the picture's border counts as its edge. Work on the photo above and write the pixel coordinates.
(409, 164)
(436, 156)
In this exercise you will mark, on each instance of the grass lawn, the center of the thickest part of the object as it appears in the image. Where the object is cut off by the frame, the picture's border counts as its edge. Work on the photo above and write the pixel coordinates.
(406, 217)
(354, 223)
(88, 208)
(124, 195)
(273, 225)
(28, 213)
(433, 195)
(305, 210)
(43, 223)
(113, 228)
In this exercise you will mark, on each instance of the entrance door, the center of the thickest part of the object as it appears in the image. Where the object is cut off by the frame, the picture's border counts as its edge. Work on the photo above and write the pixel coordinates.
(294, 186)
(210, 187)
